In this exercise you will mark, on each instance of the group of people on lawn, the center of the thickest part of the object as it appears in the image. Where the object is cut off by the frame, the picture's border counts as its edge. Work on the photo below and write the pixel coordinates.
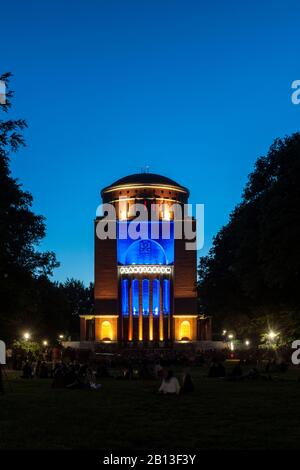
(82, 376)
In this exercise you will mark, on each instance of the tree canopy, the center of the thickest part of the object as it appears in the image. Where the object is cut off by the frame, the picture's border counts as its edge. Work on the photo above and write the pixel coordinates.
(29, 299)
(251, 275)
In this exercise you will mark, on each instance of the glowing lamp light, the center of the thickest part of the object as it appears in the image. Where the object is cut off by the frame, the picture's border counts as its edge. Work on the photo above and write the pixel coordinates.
(230, 336)
(26, 336)
(61, 336)
(247, 342)
(45, 343)
(224, 332)
(272, 335)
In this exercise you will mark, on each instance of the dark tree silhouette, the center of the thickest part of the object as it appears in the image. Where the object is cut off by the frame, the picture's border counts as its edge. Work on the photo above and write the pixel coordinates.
(250, 278)
(20, 233)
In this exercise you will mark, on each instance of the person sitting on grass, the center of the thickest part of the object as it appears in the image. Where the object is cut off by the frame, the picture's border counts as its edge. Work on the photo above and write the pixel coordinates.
(217, 369)
(91, 380)
(157, 369)
(237, 371)
(27, 371)
(253, 374)
(169, 385)
(187, 383)
(79, 379)
(213, 369)
(43, 373)
(59, 375)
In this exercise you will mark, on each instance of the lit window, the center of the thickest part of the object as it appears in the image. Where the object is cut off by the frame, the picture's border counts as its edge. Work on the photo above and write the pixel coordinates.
(122, 209)
(156, 297)
(145, 292)
(166, 296)
(106, 331)
(125, 299)
(185, 331)
(135, 297)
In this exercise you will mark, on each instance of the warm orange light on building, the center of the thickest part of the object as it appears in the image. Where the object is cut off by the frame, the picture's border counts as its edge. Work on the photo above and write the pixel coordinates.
(144, 288)
(106, 331)
(185, 327)
(130, 332)
(140, 327)
(151, 327)
(185, 330)
(161, 327)
(106, 328)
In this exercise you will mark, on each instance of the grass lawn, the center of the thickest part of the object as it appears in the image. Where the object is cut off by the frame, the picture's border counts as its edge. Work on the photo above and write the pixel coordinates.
(128, 414)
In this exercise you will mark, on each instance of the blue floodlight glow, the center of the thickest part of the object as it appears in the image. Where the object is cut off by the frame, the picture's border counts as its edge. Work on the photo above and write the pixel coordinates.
(135, 297)
(147, 250)
(125, 298)
(166, 296)
(146, 296)
(156, 297)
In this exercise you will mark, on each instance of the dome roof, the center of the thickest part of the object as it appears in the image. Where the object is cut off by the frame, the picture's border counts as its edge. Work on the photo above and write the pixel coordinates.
(141, 179)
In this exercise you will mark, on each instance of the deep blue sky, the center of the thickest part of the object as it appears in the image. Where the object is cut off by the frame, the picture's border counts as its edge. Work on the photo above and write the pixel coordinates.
(196, 90)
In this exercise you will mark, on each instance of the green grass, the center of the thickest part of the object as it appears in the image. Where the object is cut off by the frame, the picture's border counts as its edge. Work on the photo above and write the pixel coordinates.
(218, 415)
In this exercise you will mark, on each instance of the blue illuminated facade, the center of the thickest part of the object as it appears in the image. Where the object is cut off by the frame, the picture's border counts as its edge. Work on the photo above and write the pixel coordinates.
(144, 277)
(125, 297)
(147, 250)
(135, 297)
(156, 297)
(145, 294)
(166, 296)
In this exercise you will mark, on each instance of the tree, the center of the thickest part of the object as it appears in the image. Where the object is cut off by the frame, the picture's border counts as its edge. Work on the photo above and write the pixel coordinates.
(252, 272)
(80, 301)
(21, 264)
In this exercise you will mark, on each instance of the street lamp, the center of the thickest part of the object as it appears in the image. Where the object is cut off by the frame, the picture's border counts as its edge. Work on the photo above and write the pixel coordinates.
(272, 335)
(230, 336)
(271, 338)
(224, 332)
(26, 336)
(45, 343)
(247, 342)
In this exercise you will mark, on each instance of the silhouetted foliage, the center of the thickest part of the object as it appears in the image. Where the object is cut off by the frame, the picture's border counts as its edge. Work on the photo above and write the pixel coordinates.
(21, 230)
(29, 300)
(250, 278)
(80, 301)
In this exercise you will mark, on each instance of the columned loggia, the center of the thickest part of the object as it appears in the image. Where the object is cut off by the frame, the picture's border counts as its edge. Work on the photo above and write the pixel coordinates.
(151, 319)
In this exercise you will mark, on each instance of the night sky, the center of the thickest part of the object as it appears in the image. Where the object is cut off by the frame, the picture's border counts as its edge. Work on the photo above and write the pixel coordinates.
(195, 90)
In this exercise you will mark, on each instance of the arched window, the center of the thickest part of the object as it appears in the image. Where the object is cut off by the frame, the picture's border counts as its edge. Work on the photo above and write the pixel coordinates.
(106, 331)
(166, 296)
(135, 297)
(185, 330)
(145, 292)
(156, 297)
(125, 298)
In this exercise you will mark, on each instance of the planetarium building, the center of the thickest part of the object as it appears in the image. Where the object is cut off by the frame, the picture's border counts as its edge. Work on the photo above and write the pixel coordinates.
(145, 286)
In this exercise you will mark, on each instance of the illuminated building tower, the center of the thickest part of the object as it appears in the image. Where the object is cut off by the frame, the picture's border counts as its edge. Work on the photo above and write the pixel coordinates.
(145, 289)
